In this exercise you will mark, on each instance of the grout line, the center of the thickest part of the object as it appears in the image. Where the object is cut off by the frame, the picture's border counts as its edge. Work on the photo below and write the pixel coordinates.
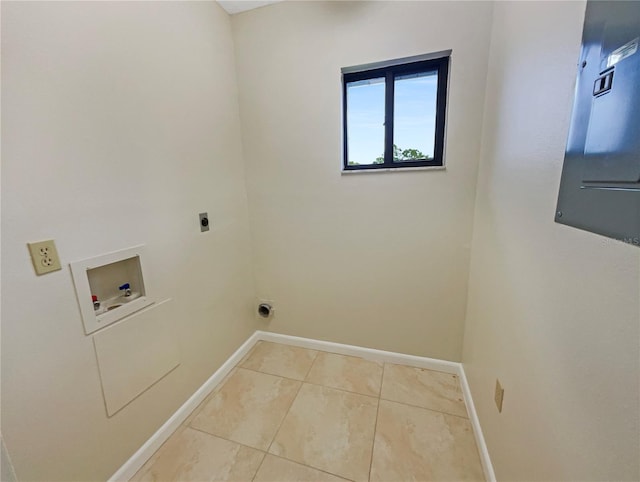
(370, 360)
(196, 411)
(375, 426)
(293, 400)
(264, 456)
(314, 384)
(422, 368)
(342, 390)
(227, 439)
(315, 357)
(235, 368)
(425, 408)
(270, 374)
(302, 382)
(384, 365)
(310, 467)
(266, 453)
(287, 378)
(373, 443)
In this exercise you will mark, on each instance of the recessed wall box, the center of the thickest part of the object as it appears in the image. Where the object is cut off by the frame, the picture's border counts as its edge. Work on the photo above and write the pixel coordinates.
(110, 287)
(600, 186)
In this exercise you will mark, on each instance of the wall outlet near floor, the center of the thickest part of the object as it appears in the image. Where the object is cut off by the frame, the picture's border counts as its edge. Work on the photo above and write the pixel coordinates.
(44, 256)
(499, 395)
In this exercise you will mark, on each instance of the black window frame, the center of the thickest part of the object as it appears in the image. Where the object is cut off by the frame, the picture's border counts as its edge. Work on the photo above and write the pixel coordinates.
(389, 72)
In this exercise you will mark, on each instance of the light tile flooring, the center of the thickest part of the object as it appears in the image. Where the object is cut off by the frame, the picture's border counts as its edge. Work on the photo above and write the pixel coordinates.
(291, 414)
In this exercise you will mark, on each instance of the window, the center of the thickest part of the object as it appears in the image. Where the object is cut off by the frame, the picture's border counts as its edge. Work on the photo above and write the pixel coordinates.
(394, 113)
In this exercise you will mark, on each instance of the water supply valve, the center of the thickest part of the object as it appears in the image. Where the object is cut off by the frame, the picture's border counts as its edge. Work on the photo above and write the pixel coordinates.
(126, 288)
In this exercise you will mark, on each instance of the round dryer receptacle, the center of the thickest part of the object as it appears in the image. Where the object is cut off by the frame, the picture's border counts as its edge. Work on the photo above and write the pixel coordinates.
(265, 310)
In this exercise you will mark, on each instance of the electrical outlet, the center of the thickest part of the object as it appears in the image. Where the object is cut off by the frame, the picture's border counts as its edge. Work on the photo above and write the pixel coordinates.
(499, 395)
(44, 256)
(204, 222)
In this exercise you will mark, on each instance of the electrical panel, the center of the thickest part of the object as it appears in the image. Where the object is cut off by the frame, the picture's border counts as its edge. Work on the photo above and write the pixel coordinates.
(600, 186)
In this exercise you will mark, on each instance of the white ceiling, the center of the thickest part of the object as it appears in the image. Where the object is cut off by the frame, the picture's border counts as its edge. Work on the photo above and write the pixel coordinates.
(237, 6)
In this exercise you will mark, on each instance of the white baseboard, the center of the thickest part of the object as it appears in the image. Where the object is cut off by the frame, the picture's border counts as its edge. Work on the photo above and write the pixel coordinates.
(367, 353)
(487, 466)
(145, 452)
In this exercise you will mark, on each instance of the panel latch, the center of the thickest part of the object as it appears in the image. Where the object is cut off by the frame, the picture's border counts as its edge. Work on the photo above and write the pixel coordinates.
(603, 83)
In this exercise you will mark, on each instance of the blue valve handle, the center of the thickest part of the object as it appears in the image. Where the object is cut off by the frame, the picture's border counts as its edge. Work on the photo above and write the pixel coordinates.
(124, 286)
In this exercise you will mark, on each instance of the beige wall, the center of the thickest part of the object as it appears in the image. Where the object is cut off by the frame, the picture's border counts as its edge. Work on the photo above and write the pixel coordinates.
(374, 259)
(553, 311)
(119, 125)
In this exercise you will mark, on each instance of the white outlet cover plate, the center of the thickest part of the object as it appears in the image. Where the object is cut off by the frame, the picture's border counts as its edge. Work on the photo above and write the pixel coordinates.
(44, 256)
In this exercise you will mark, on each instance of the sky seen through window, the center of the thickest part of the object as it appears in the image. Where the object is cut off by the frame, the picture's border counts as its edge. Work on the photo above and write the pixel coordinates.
(414, 116)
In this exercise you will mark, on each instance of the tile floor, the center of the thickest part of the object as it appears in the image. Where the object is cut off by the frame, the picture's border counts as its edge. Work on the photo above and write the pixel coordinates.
(289, 414)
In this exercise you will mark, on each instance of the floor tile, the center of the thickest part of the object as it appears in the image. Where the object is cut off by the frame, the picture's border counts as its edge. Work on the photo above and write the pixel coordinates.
(276, 469)
(413, 443)
(329, 429)
(346, 372)
(196, 456)
(423, 388)
(206, 400)
(248, 409)
(282, 360)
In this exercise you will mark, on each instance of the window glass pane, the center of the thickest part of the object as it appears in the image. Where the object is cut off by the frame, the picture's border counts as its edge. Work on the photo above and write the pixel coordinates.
(365, 121)
(414, 116)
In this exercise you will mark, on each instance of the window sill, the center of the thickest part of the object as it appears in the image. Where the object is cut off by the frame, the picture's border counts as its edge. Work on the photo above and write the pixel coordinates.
(393, 169)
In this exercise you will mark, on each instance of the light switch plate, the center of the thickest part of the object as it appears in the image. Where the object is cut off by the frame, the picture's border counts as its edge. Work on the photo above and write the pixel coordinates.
(44, 256)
